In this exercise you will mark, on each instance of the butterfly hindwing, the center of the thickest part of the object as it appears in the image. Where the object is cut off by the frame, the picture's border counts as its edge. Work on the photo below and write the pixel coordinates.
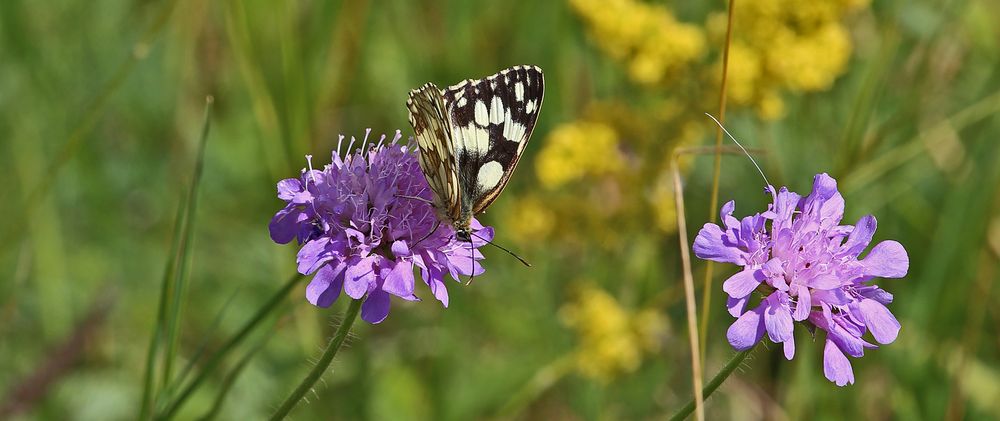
(429, 118)
(491, 121)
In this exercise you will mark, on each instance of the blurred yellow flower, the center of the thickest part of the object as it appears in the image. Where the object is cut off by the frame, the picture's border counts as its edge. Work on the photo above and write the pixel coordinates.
(664, 205)
(529, 220)
(770, 106)
(646, 38)
(744, 73)
(578, 149)
(784, 45)
(612, 339)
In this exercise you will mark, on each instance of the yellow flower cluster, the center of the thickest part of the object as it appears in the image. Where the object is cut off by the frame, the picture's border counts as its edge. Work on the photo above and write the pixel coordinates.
(529, 220)
(645, 37)
(612, 339)
(578, 149)
(783, 45)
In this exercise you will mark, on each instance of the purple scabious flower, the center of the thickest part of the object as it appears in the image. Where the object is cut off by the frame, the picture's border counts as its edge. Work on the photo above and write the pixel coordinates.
(806, 267)
(365, 222)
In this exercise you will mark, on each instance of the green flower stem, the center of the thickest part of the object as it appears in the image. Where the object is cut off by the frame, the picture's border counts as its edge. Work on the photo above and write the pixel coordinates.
(714, 383)
(322, 364)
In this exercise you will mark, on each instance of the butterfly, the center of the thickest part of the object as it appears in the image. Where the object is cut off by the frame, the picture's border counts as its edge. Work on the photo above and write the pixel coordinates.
(471, 136)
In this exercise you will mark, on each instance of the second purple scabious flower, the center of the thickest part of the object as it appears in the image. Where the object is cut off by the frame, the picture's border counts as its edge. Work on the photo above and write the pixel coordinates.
(807, 268)
(365, 223)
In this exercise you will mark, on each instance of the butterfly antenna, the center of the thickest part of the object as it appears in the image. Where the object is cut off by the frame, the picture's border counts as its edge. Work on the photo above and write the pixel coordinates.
(472, 262)
(525, 262)
(741, 147)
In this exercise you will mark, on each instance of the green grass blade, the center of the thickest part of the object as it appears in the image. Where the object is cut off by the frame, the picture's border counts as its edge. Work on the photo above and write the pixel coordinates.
(227, 384)
(169, 292)
(213, 362)
(161, 313)
(203, 345)
(183, 258)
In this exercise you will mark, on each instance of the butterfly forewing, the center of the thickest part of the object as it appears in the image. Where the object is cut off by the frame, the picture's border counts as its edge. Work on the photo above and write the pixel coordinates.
(429, 118)
(491, 121)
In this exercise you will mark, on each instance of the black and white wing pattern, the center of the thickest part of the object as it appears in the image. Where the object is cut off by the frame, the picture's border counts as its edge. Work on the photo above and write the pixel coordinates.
(471, 136)
(491, 120)
(429, 119)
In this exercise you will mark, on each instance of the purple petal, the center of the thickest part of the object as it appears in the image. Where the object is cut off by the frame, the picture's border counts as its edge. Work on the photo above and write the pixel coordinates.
(824, 202)
(876, 293)
(859, 238)
(831, 296)
(887, 259)
(747, 330)
(804, 303)
(439, 290)
(726, 215)
(314, 254)
(785, 203)
(709, 245)
(325, 287)
(284, 226)
(359, 277)
(742, 283)
(464, 266)
(482, 236)
(836, 366)
(773, 268)
(399, 281)
(376, 307)
(789, 348)
(737, 306)
(879, 320)
(825, 281)
(777, 318)
(775, 274)
(400, 248)
(846, 340)
(288, 188)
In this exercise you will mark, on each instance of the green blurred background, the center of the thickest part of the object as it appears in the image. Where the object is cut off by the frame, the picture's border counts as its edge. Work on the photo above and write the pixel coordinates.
(102, 104)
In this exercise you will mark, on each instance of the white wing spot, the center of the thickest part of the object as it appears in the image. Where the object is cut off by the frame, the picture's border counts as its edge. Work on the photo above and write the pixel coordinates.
(519, 91)
(461, 102)
(516, 131)
(474, 140)
(489, 175)
(482, 114)
(496, 110)
(530, 106)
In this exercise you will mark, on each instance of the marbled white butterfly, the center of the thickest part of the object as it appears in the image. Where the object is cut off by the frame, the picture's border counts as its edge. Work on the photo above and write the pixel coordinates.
(471, 136)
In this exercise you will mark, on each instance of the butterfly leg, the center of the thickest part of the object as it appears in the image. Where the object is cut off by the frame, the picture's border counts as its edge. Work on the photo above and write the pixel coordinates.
(429, 202)
(436, 224)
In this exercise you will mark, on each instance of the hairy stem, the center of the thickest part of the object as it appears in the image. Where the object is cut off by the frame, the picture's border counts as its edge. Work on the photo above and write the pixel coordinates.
(322, 364)
(714, 383)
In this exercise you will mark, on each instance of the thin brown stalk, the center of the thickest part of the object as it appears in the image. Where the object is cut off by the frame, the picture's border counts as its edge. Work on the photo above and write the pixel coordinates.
(689, 299)
(59, 363)
(706, 298)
